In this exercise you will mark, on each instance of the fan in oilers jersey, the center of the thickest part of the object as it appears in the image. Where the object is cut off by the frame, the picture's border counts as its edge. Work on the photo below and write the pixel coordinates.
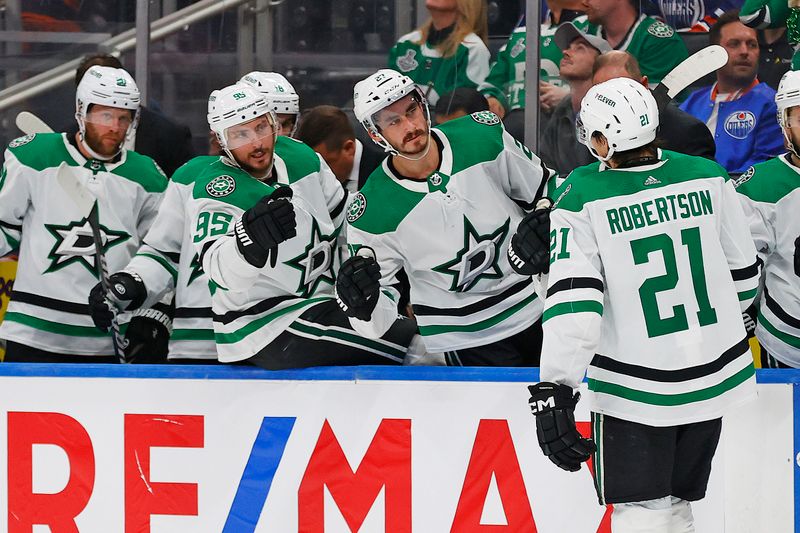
(168, 261)
(443, 207)
(267, 248)
(651, 263)
(769, 192)
(47, 319)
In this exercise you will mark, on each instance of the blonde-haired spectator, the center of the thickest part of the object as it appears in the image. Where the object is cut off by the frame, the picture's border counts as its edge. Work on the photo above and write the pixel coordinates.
(447, 51)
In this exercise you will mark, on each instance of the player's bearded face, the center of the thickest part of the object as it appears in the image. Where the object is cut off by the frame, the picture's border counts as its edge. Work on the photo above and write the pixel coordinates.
(106, 128)
(404, 125)
(793, 125)
(252, 144)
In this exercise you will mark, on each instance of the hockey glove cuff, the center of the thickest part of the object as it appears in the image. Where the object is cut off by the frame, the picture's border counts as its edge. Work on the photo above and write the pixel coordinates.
(554, 408)
(265, 225)
(126, 292)
(529, 249)
(358, 285)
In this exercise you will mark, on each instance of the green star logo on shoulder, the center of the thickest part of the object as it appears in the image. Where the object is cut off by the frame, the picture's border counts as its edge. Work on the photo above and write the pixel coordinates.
(485, 117)
(74, 244)
(315, 263)
(221, 186)
(660, 29)
(477, 260)
(356, 208)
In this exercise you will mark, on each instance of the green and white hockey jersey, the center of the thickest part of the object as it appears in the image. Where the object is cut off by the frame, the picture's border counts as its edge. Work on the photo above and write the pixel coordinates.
(770, 195)
(654, 43)
(48, 308)
(451, 232)
(435, 74)
(506, 79)
(252, 306)
(650, 269)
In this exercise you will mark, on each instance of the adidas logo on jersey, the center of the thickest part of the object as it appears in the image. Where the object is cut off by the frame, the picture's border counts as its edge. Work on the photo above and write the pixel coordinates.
(651, 181)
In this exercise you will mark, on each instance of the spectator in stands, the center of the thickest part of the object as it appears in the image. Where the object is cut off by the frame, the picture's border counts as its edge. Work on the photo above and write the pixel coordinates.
(678, 131)
(328, 131)
(459, 103)
(690, 15)
(156, 136)
(654, 44)
(448, 51)
(738, 110)
(559, 147)
(775, 55)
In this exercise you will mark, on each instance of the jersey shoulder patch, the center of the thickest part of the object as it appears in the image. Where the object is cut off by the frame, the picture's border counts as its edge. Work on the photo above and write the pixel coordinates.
(229, 185)
(485, 117)
(41, 150)
(660, 29)
(769, 181)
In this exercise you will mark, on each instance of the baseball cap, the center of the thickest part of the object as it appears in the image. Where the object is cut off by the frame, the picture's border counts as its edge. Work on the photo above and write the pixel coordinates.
(568, 32)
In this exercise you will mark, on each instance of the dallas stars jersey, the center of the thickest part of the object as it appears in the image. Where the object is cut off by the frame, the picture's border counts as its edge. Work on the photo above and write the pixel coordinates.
(48, 308)
(252, 306)
(650, 269)
(771, 198)
(506, 79)
(654, 44)
(451, 232)
(434, 74)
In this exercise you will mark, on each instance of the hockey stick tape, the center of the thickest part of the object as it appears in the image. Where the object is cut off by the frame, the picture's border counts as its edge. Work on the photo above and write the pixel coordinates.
(366, 252)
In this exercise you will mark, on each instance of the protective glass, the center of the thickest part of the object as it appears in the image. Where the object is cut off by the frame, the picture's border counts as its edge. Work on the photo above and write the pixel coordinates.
(251, 132)
(387, 120)
(122, 118)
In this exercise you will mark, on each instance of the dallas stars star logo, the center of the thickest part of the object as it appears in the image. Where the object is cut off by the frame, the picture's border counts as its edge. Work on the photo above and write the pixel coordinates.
(478, 258)
(315, 263)
(197, 269)
(74, 244)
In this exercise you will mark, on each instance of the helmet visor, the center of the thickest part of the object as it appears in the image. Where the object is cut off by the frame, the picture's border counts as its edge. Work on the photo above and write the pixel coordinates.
(110, 116)
(254, 131)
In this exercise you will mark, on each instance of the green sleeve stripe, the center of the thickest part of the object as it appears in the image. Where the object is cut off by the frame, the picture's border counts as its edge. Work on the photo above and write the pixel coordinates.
(791, 340)
(390, 295)
(748, 295)
(55, 327)
(348, 337)
(192, 335)
(477, 326)
(163, 262)
(14, 243)
(583, 306)
(682, 398)
(244, 331)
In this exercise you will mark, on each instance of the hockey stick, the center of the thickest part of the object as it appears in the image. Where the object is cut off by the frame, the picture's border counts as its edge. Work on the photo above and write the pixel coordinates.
(88, 205)
(691, 69)
(29, 123)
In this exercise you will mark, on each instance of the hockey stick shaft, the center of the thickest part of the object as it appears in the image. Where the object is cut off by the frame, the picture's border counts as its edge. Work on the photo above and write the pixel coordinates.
(687, 72)
(29, 123)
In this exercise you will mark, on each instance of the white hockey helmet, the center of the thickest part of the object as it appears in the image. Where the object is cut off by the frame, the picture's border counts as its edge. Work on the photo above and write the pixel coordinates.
(234, 105)
(788, 95)
(379, 90)
(280, 94)
(108, 86)
(623, 110)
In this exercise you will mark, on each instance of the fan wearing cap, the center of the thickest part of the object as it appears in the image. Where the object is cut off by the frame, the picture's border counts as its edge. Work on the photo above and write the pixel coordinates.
(560, 149)
(769, 193)
(651, 264)
(263, 220)
(48, 319)
(442, 207)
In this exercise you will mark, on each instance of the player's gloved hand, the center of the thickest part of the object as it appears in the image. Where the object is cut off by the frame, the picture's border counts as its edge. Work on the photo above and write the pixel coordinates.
(554, 408)
(749, 317)
(126, 292)
(358, 285)
(265, 225)
(147, 336)
(529, 249)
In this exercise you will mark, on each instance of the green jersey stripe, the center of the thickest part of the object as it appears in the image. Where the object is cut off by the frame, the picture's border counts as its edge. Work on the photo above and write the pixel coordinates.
(747, 295)
(791, 340)
(582, 306)
(349, 337)
(477, 326)
(163, 262)
(244, 331)
(55, 327)
(192, 335)
(14, 243)
(683, 398)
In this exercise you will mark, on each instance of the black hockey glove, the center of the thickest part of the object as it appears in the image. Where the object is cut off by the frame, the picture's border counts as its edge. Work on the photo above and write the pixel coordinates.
(147, 336)
(529, 249)
(796, 257)
(126, 293)
(358, 285)
(554, 408)
(265, 225)
(749, 317)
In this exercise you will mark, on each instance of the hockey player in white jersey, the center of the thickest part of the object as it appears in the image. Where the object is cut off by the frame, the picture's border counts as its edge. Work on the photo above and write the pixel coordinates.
(281, 97)
(443, 207)
(267, 247)
(48, 319)
(770, 195)
(651, 263)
